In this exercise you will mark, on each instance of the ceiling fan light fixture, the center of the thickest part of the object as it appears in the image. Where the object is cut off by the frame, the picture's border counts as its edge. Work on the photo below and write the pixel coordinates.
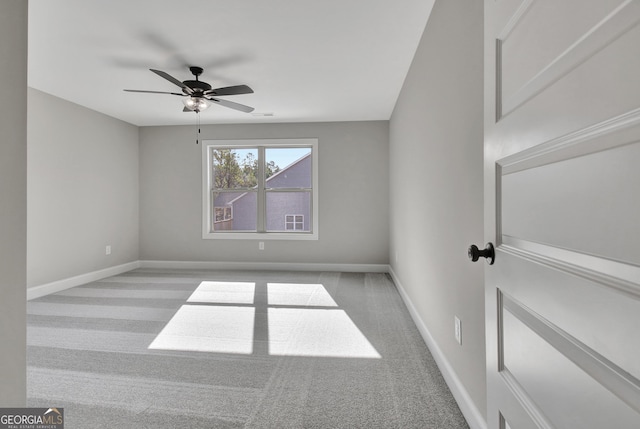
(197, 104)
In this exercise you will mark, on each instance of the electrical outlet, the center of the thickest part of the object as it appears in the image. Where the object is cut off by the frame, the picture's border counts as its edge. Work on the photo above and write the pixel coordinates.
(261, 245)
(107, 250)
(458, 329)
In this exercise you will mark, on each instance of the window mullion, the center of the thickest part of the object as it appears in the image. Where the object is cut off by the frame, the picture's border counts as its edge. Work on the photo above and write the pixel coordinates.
(262, 199)
(210, 183)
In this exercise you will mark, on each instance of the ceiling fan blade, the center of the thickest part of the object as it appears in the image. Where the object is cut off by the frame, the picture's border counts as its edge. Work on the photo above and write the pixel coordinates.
(187, 110)
(153, 92)
(173, 80)
(232, 105)
(230, 90)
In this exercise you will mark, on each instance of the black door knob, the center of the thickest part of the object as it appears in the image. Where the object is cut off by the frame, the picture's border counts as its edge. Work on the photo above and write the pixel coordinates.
(488, 252)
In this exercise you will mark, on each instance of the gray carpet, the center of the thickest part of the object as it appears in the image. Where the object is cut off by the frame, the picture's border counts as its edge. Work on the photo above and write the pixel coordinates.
(230, 349)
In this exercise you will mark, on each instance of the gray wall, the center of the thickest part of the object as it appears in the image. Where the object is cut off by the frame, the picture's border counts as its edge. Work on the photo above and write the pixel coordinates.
(436, 138)
(82, 190)
(353, 193)
(13, 202)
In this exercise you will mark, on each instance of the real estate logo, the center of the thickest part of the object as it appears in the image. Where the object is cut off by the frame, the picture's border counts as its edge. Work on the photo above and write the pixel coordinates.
(31, 418)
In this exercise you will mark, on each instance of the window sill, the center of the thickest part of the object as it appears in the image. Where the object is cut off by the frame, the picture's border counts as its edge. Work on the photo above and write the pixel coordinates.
(265, 236)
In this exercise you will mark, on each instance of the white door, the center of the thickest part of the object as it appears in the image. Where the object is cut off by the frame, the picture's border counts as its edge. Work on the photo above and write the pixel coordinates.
(562, 205)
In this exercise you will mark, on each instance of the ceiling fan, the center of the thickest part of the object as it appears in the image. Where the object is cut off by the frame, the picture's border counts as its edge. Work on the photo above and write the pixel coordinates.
(198, 95)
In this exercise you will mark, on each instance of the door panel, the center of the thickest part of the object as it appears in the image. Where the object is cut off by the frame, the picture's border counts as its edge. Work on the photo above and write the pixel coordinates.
(557, 203)
(562, 203)
(535, 39)
(561, 376)
(598, 316)
(564, 48)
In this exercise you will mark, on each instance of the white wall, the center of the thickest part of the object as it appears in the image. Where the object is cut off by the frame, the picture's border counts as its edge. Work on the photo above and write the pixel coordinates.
(82, 190)
(436, 158)
(353, 193)
(13, 202)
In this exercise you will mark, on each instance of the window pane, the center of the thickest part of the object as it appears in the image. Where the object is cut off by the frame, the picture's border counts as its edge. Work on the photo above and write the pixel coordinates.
(235, 211)
(234, 168)
(288, 167)
(289, 211)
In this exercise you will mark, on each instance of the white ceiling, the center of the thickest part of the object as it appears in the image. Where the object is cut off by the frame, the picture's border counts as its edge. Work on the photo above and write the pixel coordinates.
(320, 60)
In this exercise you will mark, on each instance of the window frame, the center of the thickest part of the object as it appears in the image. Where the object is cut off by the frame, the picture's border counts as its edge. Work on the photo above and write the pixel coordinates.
(261, 234)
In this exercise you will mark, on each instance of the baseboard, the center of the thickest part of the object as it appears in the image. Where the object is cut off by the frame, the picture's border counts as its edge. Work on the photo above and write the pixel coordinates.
(467, 406)
(266, 266)
(60, 285)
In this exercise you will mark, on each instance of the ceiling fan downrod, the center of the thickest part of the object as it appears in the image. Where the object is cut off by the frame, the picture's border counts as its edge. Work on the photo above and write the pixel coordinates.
(196, 71)
(196, 84)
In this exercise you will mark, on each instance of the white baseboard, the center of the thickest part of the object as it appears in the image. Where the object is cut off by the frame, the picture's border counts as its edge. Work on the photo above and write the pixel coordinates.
(266, 266)
(467, 406)
(60, 285)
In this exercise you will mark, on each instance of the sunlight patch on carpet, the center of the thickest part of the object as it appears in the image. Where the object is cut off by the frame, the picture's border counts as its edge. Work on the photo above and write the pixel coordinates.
(316, 332)
(299, 294)
(224, 293)
(203, 328)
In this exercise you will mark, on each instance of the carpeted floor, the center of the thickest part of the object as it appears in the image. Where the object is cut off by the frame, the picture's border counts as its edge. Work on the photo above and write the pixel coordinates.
(230, 349)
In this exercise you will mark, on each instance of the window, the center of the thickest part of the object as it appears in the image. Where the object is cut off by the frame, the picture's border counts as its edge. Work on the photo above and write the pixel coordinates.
(294, 222)
(223, 214)
(260, 189)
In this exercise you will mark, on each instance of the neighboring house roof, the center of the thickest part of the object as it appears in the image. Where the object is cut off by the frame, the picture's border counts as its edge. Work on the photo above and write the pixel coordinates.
(225, 198)
(282, 171)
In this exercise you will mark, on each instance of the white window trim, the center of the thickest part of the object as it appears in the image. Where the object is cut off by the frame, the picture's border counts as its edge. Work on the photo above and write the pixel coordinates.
(207, 207)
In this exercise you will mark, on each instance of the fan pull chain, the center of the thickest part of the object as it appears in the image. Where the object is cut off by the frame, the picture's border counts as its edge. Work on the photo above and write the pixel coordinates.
(198, 124)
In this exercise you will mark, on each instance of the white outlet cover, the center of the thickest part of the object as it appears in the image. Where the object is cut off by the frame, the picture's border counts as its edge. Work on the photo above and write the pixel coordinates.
(458, 329)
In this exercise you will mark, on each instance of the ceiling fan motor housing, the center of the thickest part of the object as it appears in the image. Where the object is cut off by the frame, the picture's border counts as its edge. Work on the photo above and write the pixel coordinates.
(196, 85)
